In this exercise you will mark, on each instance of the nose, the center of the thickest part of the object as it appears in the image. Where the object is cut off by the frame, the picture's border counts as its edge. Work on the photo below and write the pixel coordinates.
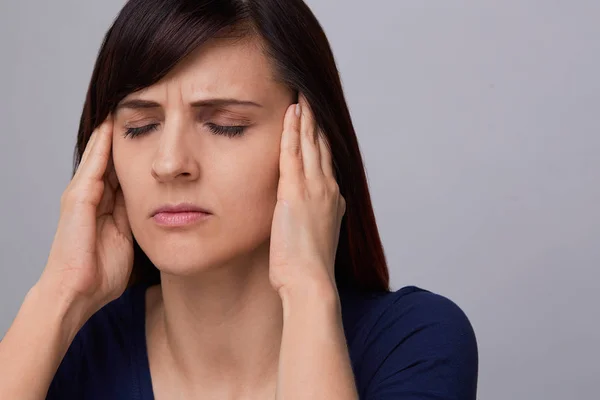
(174, 158)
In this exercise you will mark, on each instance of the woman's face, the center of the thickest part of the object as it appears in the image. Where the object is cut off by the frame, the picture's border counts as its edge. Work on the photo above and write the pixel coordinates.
(183, 156)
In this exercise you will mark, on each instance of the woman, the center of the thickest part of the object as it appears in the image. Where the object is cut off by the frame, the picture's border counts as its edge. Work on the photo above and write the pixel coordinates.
(217, 239)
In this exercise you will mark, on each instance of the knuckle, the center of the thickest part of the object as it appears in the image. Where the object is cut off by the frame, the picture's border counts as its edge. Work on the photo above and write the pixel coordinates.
(307, 131)
(293, 150)
(295, 194)
(68, 197)
(332, 184)
(81, 194)
(320, 189)
(291, 170)
(74, 197)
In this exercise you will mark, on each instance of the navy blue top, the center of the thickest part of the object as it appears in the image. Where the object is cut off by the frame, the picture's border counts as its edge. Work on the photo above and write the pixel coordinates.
(407, 344)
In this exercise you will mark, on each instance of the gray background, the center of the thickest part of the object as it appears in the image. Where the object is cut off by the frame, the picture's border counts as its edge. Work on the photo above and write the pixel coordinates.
(479, 124)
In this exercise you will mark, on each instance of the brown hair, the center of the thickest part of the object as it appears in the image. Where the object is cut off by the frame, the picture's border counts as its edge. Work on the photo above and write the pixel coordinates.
(149, 37)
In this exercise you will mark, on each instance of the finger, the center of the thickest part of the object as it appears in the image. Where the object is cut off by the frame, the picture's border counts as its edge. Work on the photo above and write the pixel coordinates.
(120, 215)
(308, 139)
(88, 147)
(290, 159)
(111, 184)
(107, 201)
(94, 166)
(326, 157)
(111, 174)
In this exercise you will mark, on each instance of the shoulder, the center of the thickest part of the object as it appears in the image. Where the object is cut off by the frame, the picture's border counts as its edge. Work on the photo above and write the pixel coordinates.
(406, 308)
(102, 350)
(411, 332)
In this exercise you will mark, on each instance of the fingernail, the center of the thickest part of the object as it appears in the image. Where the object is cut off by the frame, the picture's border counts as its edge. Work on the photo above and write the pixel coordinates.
(297, 109)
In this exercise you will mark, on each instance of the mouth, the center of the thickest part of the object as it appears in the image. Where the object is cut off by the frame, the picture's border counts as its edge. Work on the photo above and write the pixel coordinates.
(180, 214)
(181, 218)
(181, 207)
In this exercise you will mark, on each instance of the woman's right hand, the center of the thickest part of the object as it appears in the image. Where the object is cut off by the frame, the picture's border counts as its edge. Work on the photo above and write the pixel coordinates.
(91, 257)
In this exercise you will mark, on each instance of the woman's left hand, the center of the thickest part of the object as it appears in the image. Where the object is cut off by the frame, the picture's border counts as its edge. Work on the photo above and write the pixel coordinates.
(309, 210)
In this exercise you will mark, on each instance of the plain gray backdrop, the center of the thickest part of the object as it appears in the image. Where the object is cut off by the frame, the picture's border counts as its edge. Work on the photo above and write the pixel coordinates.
(479, 122)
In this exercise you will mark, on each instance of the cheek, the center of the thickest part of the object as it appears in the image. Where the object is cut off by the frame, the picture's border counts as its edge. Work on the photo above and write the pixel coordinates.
(252, 195)
(134, 189)
(254, 168)
(127, 176)
(256, 183)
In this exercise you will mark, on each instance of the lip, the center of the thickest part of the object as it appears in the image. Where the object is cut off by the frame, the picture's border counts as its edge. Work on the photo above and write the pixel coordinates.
(180, 208)
(178, 219)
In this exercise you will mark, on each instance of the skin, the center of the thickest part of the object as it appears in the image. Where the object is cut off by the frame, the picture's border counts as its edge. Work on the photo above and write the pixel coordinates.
(214, 325)
(239, 313)
(247, 307)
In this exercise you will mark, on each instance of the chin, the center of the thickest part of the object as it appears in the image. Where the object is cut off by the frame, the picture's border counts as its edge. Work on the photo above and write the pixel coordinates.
(188, 260)
(188, 255)
(179, 266)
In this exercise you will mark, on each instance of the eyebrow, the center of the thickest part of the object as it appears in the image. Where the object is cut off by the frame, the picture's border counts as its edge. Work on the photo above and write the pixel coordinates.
(137, 104)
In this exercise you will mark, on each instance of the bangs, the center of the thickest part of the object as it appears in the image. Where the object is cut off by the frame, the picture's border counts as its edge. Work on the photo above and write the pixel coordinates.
(149, 38)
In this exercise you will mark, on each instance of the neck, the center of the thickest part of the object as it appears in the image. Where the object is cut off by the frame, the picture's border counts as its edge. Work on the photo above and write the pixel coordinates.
(222, 327)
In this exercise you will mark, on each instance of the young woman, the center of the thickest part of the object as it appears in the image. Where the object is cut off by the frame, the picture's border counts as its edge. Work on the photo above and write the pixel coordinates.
(217, 239)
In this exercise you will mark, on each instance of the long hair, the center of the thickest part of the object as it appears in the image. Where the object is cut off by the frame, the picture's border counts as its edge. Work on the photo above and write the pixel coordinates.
(150, 37)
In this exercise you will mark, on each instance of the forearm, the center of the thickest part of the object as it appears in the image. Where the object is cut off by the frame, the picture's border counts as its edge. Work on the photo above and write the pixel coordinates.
(36, 342)
(314, 362)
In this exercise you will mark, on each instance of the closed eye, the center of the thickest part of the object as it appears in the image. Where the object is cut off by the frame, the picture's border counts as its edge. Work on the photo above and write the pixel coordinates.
(133, 132)
(224, 130)
(227, 130)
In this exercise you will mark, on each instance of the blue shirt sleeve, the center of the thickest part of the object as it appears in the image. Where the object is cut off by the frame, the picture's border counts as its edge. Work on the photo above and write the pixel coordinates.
(422, 347)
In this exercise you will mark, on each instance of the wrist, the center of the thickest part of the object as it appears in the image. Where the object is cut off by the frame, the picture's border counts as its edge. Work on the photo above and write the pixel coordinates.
(56, 302)
(310, 297)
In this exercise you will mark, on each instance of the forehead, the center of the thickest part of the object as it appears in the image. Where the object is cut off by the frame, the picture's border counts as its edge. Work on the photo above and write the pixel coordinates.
(220, 68)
